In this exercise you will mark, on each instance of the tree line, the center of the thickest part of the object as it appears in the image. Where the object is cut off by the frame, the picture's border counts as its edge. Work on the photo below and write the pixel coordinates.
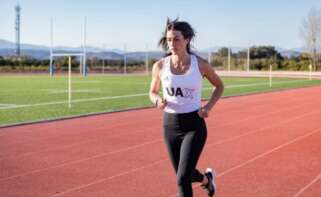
(261, 57)
(94, 64)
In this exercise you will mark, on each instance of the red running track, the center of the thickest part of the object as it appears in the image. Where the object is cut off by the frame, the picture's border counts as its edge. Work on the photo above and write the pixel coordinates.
(260, 145)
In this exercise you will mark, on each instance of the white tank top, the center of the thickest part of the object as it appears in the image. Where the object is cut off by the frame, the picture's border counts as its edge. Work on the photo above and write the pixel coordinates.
(182, 92)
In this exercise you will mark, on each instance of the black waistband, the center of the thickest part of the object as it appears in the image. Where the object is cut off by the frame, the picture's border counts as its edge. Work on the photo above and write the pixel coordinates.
(188, 114)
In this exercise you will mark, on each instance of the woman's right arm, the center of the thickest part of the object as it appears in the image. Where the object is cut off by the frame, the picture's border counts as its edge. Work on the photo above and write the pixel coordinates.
(155, 86)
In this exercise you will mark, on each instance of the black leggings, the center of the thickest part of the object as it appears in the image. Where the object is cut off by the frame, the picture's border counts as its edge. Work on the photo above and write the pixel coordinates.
(185, 136)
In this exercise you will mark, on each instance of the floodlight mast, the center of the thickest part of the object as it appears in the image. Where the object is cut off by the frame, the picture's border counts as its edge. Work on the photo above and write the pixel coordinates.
(17, 29)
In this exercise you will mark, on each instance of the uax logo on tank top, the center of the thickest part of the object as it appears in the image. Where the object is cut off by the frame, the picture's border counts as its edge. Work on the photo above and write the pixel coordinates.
(182, 92)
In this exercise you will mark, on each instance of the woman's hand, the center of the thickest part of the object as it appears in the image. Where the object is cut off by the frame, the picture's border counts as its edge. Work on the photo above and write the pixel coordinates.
(161, 103)
(203, 112)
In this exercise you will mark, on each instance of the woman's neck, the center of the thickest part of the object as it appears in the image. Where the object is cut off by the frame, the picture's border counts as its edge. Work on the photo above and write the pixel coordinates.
(181, 59)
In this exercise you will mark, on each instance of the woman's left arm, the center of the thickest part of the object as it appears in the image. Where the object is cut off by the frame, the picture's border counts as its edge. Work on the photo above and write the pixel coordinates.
(208, 72)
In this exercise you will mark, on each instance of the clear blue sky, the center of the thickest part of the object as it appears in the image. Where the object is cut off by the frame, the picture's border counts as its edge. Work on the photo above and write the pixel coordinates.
(141, 22)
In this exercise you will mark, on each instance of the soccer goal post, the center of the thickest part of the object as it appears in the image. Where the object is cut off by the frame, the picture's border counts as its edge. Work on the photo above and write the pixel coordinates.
(69, 55)
(82, 54)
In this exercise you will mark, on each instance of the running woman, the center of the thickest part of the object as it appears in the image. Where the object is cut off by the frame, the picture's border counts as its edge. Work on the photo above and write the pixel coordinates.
(180, 73)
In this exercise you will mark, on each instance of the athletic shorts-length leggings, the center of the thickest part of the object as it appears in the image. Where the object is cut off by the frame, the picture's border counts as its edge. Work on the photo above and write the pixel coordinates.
(185, 136)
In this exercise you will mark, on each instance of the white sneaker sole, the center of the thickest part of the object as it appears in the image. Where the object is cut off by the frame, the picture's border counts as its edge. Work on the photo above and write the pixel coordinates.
(214, 175)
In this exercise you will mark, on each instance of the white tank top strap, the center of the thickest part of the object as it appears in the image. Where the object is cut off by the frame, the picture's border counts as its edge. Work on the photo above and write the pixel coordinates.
(166, 65)
(194, 63)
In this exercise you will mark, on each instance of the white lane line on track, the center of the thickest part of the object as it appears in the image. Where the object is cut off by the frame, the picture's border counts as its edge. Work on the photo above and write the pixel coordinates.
(303, 189)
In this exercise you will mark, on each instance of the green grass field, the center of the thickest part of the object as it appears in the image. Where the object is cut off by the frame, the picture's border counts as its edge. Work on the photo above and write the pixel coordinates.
(35, 98)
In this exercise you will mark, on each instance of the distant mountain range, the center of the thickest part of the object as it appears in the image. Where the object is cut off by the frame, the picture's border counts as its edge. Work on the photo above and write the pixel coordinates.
(7, 48)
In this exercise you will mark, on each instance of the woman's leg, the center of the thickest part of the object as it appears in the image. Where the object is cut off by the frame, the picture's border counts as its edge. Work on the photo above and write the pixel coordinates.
(173, 144)
(191, 148)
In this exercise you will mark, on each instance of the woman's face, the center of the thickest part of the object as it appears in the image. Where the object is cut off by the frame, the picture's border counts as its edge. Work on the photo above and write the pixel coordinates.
(176, 41)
